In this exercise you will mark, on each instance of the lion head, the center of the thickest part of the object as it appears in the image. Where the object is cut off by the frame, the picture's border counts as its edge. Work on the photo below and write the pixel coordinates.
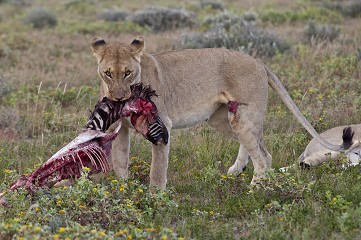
(118, 66)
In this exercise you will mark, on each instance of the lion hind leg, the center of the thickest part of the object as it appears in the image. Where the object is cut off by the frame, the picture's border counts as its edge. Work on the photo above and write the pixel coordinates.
(247, 124)
(219, 121)
(240, 163)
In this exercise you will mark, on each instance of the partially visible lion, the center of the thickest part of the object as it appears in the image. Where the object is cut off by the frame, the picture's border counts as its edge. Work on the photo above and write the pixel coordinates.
(349, 136)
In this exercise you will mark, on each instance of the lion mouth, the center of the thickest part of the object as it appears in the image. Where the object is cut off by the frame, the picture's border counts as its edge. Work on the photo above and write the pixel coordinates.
(125, 98)
(92, 147)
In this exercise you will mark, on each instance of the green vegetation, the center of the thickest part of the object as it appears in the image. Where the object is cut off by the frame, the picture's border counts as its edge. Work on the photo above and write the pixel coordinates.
(321, 32)
(41, 18)
(236, 33)
(113, 14)
(301, 15)
(351, 9)
(162, 18)
(48, 79)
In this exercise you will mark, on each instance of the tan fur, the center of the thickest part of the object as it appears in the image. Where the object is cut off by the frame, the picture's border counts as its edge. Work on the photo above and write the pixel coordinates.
(195, 86)
(315, 154)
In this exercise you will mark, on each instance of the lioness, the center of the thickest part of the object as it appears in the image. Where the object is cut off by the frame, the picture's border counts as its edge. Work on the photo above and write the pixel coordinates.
(226, 88)
(315, 154)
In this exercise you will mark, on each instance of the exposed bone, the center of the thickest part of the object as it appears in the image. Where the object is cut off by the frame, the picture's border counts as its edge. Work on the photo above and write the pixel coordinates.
(98, 158)
(91, 159)
(103, 158)
(73, 158)
(77, 154)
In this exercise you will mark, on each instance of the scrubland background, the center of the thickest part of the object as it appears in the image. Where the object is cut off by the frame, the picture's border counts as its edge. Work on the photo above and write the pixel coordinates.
(48, 80)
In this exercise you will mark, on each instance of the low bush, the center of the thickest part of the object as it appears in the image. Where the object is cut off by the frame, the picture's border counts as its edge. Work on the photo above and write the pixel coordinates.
(19, 2)
(358, 54)
(98, 27)
(81, 7)
(40, 18)
(162, 18)
(9, 117)
(321, 32)
(113, 15)
(250, 16)
(212, 4)
(301, 15)
(224, 19)
(232, 32)
(4, 86)
(351, 9)
(75, 3)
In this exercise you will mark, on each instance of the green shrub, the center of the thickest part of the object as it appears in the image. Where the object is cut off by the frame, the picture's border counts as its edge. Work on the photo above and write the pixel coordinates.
(274, 16)
(321, 32)
(301, 15)
(76, 3)
(351, 9)
(358, 54)
(232, 32)
(212, 4)
(19, 2)
(162, 18)
(250, 16)
(81, 7)
(113, 15)
(224, 19)
(4, 85)
(9, 117)
(40, 18)
(97, 27)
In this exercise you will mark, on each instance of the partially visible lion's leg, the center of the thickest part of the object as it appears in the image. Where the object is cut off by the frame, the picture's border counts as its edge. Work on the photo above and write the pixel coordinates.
(241, 161)
(247, 124)
(159, 165)
(219, 121)
(120, 153)
(265, 152)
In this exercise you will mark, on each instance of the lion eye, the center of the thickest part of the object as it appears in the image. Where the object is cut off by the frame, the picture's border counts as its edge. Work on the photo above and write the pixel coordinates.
(108, 73)
(127, 73)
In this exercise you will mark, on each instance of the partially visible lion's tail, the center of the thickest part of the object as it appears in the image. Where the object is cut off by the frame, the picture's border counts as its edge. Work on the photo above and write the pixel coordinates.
(347, 137)
(276, 84)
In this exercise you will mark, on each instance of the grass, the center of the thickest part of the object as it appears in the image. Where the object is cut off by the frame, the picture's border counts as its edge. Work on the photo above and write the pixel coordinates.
(48, 79)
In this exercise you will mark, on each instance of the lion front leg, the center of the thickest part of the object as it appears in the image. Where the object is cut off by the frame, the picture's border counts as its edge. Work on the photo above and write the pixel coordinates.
(160, 158)
(159, 166)
(120, 153)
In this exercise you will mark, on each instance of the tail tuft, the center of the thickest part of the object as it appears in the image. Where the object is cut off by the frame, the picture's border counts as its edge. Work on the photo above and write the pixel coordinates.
(347, 137)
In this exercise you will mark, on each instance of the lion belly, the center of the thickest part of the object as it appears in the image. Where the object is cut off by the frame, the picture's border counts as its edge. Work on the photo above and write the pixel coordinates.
(191, 117)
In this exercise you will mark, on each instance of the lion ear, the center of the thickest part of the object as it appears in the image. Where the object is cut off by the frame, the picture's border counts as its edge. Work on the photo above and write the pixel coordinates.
(97, 47)
(137, 47)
